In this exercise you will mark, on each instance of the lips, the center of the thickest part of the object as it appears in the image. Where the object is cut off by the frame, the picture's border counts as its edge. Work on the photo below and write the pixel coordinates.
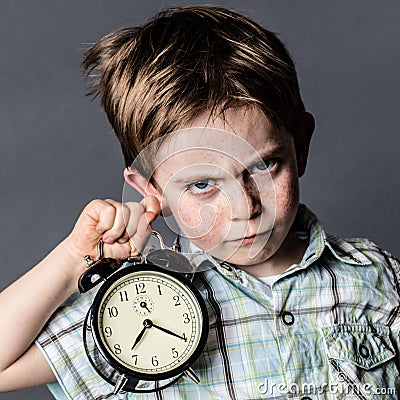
(250, 238)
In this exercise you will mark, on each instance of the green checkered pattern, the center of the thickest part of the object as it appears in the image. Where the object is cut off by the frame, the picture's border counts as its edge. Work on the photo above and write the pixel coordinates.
(328, 328)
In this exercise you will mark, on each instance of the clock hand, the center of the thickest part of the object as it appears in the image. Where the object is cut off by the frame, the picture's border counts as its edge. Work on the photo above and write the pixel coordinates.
(143, 304)
(139, 337)
(169, 332)
(146, 325)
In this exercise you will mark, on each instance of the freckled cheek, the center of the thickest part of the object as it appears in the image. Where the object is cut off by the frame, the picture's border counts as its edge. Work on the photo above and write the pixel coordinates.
(191, 214)
(287, 197)
(205, 224)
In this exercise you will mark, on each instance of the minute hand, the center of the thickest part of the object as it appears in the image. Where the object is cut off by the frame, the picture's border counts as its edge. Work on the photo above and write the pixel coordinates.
(169, 332)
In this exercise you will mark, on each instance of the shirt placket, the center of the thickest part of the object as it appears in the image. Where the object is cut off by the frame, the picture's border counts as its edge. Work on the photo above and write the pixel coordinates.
(304, 372)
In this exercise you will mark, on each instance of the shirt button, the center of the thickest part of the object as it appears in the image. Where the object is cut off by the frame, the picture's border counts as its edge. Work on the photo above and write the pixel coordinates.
(287, 318)
(364, 351)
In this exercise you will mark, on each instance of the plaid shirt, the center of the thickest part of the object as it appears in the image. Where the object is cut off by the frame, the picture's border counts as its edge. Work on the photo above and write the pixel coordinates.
(328, 328)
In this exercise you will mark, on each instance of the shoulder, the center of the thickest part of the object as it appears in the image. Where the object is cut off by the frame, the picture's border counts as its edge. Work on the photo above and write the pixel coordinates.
(356, 251)
(373, 251)
(364, 261)
(363, 251)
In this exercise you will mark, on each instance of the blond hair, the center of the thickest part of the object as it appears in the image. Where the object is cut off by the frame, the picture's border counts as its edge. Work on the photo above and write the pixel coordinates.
(155, 78)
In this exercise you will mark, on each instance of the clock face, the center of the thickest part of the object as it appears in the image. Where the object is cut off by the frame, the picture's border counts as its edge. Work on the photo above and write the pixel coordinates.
(150, 322)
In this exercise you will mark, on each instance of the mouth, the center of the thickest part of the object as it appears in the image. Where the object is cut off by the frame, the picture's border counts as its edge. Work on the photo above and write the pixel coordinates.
(251, 238)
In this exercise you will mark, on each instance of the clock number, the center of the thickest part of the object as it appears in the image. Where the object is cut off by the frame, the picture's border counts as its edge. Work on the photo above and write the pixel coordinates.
(112, 312)
(135, 357)
(117, 349)
(140, 288)
(177, 303)
(184, 336)
(159, 290)
(186, 318)
(175, 354)
(123, 296)
(154, 361)
(108, 331)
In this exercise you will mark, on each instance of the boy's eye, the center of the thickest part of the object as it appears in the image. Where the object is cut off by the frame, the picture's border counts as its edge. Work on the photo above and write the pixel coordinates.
(262, 166)
(201, 186)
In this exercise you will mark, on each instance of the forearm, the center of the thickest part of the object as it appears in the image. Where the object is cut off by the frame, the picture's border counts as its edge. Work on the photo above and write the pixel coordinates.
(27, 304)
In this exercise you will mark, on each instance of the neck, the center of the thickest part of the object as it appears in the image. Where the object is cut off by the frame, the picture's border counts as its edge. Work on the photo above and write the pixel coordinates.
(290, 252)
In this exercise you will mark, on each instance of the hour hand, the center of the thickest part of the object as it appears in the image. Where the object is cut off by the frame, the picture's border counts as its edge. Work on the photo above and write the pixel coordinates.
(143, 304)
(169, 332)
(146, 325)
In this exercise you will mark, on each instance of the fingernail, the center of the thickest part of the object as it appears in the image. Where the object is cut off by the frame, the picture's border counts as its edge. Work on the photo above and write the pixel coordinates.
(108, 240)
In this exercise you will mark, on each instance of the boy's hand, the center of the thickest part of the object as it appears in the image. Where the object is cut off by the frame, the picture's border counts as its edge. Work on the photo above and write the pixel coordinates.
(121, 226)
(124, 228)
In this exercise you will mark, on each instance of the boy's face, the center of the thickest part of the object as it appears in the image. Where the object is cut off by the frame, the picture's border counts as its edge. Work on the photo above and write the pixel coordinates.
(227, 199)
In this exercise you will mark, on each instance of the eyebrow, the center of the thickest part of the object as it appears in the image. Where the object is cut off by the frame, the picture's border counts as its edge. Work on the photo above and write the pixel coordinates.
(262, 155)
(196, 177)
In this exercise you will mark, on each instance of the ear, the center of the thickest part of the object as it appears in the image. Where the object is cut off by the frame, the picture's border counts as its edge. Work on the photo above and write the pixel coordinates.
(302, 142)
(145, 188)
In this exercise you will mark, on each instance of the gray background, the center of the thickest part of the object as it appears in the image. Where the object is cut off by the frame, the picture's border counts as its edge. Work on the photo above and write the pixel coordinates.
(57, 151)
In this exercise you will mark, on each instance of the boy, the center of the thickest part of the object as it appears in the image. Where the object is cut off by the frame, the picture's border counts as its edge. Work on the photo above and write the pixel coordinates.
(294, 312)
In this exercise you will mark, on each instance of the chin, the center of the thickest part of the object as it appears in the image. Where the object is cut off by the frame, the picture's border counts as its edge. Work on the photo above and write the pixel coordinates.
(250, 255)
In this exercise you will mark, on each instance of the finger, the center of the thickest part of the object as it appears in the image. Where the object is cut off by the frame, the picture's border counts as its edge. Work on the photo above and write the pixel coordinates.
(138, 227)
(141, 236)
(96, 217)
(136, 210)
(117, 250)
(151, 204)
(139, 239)
(124, 238)
(104, 211)
(122, 214)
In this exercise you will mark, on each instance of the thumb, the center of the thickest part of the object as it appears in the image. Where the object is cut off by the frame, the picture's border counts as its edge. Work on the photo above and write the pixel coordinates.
(152, 208)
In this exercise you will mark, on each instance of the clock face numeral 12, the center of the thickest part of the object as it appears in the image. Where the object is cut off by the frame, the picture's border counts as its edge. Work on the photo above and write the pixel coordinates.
(150, 322)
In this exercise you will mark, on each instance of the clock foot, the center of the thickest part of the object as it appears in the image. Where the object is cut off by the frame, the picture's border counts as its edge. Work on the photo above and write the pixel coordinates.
(190, 374)
(120, 384)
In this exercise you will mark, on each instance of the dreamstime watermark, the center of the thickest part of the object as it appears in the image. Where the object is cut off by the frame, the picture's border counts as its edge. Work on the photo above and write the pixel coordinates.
(331, 387)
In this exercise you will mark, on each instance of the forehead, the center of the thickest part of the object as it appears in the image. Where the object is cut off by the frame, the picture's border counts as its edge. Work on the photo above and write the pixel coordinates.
(243, 137)
(249, 124)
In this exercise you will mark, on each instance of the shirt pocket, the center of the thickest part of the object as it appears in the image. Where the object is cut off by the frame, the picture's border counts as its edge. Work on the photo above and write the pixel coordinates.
(362, 361)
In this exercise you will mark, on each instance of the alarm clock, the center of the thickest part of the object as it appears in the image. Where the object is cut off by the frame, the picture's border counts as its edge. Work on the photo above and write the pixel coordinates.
(147, 324)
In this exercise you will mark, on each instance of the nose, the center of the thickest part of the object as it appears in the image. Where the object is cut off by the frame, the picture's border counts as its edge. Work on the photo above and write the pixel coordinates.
(245, 199)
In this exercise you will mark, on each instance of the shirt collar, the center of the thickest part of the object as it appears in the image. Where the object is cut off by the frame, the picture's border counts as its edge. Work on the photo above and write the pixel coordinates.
(307, 226)
(307, 223)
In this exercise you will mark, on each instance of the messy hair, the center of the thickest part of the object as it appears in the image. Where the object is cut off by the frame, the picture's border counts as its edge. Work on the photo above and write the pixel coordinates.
(155, 78)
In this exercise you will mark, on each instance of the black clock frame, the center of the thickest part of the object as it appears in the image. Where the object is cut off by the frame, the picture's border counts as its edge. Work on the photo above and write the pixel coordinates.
(135, 376)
